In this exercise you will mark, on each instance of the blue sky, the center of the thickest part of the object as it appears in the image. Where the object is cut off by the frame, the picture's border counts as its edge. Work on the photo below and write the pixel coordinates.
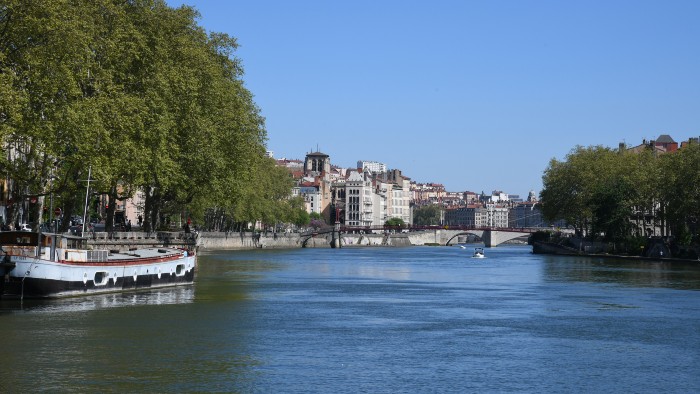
(476, 95)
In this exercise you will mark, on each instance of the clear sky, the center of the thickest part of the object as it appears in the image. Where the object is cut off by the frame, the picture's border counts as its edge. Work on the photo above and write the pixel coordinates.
(476, 95)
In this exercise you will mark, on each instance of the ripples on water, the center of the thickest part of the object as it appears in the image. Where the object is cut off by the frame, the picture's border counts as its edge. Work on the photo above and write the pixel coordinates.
(421, 319)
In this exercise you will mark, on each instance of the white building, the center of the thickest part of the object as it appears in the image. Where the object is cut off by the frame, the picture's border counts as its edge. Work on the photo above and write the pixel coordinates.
(379, 204)
(499, 196)
(497, 215)
(374, 167)
(399, 201)
(312, 197)
(358, 199)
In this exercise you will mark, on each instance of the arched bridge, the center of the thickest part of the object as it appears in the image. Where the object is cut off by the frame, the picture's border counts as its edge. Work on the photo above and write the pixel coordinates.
(492, 236)
(421, 235)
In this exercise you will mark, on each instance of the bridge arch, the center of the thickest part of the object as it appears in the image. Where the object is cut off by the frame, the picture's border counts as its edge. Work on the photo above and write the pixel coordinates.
(322, 235)
(478, 234)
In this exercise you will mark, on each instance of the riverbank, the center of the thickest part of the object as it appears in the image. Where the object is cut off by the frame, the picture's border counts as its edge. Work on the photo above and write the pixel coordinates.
(550, 248)
(247, 240)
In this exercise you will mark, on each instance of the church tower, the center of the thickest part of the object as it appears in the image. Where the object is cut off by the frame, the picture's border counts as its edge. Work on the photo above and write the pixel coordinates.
(317, 164)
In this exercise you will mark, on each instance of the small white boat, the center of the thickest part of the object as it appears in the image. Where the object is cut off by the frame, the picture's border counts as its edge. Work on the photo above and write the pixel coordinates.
(478, 253)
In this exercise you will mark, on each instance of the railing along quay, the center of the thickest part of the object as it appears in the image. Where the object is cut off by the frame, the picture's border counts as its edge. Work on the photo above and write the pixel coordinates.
(121, 239)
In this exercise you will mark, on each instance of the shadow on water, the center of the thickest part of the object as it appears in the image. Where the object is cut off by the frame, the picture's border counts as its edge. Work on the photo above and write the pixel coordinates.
(682, 276)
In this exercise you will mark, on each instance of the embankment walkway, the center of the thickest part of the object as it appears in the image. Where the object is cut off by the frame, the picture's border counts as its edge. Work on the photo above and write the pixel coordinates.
(248, 240)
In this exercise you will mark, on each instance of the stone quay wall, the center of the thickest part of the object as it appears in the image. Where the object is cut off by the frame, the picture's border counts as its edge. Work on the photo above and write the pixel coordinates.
(247, 240)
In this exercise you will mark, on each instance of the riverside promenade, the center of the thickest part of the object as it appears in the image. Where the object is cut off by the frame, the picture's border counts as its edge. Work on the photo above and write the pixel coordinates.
(248, 240)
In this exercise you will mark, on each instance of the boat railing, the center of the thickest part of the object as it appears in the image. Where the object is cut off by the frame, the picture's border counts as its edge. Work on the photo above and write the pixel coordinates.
(97, 255)
(15, 250)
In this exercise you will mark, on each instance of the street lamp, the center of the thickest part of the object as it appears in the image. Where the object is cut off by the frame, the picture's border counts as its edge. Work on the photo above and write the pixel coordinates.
(87, 193)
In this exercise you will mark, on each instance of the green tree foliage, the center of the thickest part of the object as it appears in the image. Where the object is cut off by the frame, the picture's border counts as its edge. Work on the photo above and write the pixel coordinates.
(395, 222)
(298, 215)
(612, 204)
(143, 96)
(569, 185)
(679, 189)
(427, 215)
(608, 194)
(315, 216)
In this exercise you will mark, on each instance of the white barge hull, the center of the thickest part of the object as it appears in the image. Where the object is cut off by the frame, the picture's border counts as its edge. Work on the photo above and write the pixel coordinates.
(32, 277)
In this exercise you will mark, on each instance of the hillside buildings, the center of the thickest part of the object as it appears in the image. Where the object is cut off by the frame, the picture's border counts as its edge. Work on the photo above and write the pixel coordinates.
(369, 195)
(372, 193)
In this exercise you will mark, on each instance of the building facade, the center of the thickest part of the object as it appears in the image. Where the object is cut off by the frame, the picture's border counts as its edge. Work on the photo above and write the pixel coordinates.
(374, 167)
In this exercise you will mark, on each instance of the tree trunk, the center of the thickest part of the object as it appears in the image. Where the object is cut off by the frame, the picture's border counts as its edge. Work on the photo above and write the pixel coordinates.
(111, 206)
(147, 210)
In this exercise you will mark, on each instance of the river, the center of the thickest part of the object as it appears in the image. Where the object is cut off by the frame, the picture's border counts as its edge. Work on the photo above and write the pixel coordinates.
(374, 320)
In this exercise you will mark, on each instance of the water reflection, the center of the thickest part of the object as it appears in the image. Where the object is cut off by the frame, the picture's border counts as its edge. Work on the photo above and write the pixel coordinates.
(674, 275)
(163, 296)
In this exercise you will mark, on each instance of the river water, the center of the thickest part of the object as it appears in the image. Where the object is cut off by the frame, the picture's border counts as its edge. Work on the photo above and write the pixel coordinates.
(373, 320)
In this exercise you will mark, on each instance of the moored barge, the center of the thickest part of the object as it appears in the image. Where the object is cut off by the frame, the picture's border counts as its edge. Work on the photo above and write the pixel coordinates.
(34, 265)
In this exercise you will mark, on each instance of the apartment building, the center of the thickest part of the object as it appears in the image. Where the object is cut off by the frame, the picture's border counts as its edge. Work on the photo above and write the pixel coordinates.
(400, 201)
(427, 193)
(311, 193)
(374, 167)
(358, 199)
(477, 215)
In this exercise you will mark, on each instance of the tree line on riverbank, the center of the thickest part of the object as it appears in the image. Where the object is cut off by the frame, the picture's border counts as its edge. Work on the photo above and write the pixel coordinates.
(619, 196)
(138, 96)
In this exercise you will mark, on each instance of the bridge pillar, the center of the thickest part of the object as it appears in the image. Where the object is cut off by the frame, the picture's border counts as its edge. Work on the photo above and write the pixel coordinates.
(488, 238)
(335, 237)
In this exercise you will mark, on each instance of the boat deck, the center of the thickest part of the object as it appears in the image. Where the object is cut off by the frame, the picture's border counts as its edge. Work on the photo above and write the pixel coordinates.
(148, 253)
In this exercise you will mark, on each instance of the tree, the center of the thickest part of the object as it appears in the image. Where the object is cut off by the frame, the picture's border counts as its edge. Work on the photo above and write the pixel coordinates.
(427, 215)
(141, 95)
(679, 186)
(569, 186)
(299, 216)
(612, 206)
(395, 222)
(315, 216)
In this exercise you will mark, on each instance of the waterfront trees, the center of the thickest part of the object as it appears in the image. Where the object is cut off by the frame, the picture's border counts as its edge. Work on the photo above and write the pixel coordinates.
(569, 185)
(680, 192)
(618, 196)
(143, 96)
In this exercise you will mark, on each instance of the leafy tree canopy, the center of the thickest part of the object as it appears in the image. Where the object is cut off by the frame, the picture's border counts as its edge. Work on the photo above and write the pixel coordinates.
(427, 215)
(395, 222)
(140, 95)
(607, 193)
